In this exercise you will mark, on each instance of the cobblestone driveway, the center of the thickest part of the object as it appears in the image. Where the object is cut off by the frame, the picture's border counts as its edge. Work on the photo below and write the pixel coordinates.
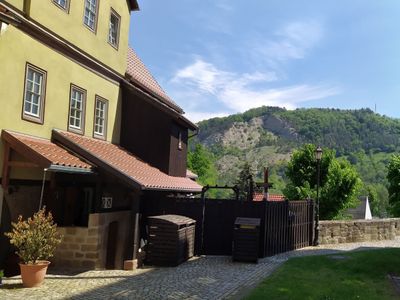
(201, 278)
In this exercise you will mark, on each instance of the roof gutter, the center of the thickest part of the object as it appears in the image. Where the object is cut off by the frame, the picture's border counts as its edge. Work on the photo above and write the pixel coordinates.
(66, 169)
(8, 19)
(173, 190)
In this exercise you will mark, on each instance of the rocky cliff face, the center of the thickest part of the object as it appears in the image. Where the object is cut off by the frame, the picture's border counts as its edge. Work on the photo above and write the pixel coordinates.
(267, 136)
(279, 127)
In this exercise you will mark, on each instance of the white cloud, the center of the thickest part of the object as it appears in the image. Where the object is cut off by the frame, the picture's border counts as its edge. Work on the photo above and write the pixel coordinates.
(292, 41)
(203, 76)
(207, 78)
(224, 5)
(239, 92)
(196, 116)
(241, 97)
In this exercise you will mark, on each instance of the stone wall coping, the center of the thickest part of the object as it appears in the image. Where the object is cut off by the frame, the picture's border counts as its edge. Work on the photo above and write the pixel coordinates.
(358, 221)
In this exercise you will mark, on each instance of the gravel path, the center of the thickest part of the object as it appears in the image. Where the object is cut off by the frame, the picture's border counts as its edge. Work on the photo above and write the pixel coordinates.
(206, 277)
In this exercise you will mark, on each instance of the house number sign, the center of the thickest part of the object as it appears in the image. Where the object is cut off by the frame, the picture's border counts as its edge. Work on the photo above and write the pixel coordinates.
(106, 202)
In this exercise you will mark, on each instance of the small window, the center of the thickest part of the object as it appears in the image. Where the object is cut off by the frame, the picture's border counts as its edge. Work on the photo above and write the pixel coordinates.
(77, 103)
(34, 94)
(100, 118)
(113, 31)
(90, 14)
(63, 4)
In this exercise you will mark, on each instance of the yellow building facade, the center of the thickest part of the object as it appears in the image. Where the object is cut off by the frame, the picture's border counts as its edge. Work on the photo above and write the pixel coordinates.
(56, 39)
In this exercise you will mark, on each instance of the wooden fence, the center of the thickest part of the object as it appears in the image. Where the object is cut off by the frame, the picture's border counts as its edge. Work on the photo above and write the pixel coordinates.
(284, 226)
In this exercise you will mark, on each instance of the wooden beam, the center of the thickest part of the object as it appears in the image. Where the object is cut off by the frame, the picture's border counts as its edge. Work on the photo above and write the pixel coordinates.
(23, 149)
(6, 168)
(22, 164)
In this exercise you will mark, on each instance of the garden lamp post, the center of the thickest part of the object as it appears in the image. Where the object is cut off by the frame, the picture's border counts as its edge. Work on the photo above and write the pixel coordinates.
(318, 156)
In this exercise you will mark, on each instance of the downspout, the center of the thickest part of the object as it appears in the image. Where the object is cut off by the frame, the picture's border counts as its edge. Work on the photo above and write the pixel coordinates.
(1, 202)
(42, 191)
(196, 132)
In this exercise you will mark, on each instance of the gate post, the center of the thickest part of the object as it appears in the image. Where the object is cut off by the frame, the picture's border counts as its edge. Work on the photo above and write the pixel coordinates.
(203, 202)
(311, 218)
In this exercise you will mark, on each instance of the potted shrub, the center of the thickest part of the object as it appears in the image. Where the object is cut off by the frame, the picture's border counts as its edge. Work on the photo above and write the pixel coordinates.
(36, 240)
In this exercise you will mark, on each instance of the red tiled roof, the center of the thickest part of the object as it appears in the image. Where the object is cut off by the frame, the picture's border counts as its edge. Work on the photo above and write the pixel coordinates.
(271, 197)
(43, 151)
(124, 164)
(141, 75)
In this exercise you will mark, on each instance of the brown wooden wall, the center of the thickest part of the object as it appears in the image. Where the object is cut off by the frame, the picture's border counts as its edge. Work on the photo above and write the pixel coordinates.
(151, 134)
(178, 156)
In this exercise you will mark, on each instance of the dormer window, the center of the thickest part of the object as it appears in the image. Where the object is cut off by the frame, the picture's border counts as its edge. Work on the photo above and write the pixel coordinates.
(63, 4)
(90, 14)
(113, 31)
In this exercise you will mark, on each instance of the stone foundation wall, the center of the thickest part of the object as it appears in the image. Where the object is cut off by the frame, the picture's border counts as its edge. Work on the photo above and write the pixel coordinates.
(336, 232)
(86, 247)
(79, 248)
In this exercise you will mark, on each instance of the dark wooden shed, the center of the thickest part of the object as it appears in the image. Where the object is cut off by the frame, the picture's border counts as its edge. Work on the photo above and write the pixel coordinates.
(171, 240)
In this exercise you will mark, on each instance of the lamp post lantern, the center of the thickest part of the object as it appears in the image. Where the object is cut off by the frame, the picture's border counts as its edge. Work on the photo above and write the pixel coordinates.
(318, 156)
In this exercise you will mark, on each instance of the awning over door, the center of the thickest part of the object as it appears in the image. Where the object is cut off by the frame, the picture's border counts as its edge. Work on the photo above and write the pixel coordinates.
(40, 153)
(43, 153)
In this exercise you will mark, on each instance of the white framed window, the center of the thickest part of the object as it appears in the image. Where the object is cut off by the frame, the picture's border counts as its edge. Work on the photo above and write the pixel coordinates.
(34, 94)
(77, 104)
(100, 118)
(90, 14)
(113, 30)
(63, 4)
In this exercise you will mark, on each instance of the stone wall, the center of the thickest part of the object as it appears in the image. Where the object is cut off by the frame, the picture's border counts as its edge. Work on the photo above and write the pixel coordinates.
(86, 247)
(335, 232)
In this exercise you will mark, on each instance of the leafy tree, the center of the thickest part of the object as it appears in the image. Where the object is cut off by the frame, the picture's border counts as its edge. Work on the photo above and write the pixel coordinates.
(339, 181)
(393, 177)
(200, 161)
(245, 181)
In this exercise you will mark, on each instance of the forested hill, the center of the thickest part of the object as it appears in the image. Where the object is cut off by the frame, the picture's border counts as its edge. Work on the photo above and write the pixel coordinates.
(344, 130)
(267, 136)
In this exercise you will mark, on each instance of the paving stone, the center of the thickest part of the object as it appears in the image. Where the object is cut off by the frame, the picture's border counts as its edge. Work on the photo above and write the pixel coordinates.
(205, 277)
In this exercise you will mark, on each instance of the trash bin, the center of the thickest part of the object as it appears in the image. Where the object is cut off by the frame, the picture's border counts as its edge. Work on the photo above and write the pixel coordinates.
(246, 234)
(171, 240)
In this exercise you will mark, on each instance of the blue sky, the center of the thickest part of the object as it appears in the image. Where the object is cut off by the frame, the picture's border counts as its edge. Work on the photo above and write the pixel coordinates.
(218, 57)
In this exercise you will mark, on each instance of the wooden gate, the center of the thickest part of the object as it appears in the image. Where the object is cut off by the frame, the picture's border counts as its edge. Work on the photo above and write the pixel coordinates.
(289, 226)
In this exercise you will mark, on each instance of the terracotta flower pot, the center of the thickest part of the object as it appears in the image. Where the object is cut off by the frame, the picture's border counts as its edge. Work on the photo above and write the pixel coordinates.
(33, 275)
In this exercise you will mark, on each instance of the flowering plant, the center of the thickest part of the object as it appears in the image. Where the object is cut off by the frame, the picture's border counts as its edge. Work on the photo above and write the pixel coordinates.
(35, 238)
